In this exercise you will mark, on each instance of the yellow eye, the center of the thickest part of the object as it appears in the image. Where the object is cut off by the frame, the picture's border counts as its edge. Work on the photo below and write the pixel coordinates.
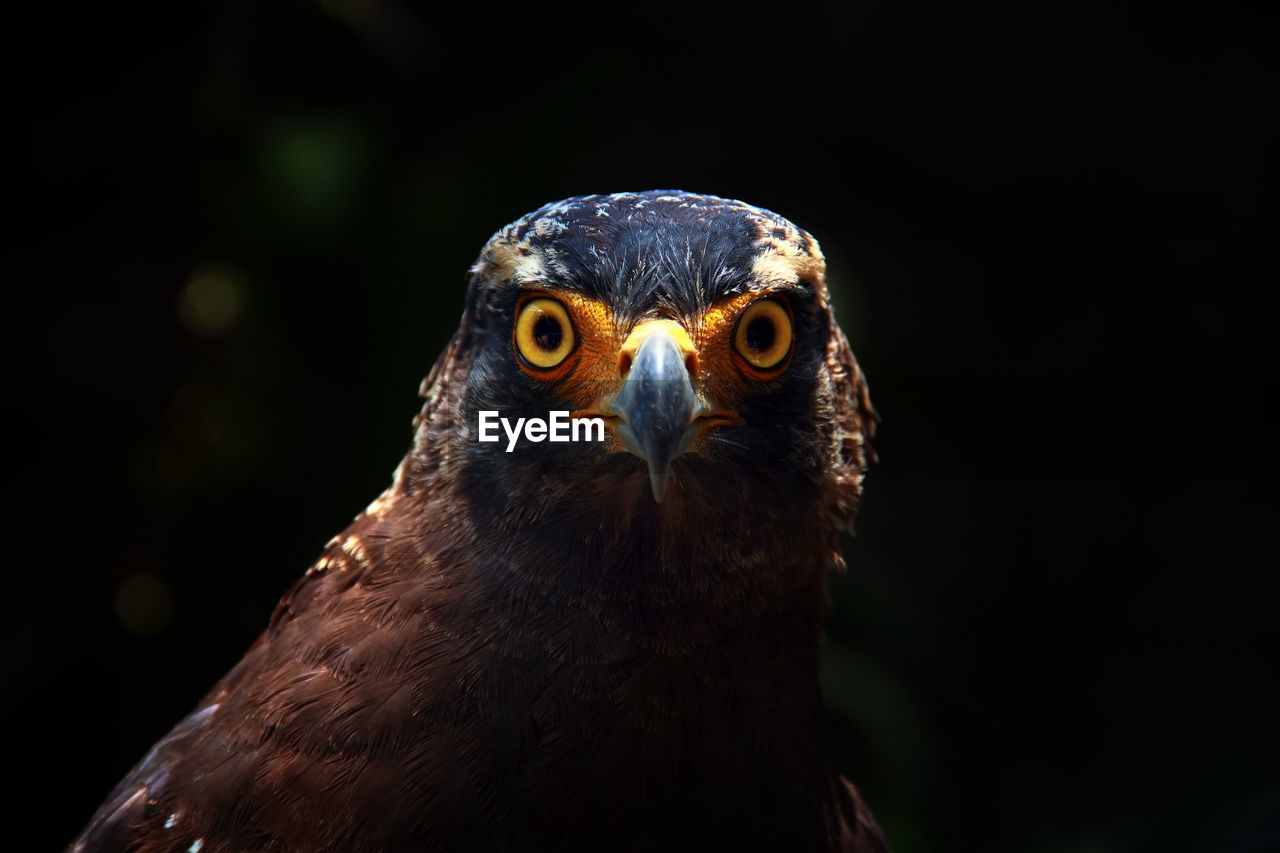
(544, 335)
(763, 337)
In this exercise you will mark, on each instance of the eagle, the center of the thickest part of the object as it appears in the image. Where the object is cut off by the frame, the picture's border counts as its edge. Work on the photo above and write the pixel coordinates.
(541, 637)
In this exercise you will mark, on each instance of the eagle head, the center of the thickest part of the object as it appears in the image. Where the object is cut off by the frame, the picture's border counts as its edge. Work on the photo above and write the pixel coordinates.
(693, 337)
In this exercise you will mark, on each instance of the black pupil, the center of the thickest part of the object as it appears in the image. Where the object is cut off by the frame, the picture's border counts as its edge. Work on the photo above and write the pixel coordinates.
(547, 333)
(760, 334)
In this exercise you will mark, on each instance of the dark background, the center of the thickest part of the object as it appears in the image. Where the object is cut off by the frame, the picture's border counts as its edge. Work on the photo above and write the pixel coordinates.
(248, 231)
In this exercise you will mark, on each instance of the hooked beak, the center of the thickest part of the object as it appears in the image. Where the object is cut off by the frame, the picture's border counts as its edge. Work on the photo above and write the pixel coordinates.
(657, 408)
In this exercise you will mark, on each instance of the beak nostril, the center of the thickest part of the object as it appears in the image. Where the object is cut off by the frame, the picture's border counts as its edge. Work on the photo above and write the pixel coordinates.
(624, 364)
(691, 364)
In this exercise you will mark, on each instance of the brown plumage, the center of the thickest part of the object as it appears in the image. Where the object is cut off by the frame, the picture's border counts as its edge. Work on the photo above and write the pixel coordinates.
(565, 645)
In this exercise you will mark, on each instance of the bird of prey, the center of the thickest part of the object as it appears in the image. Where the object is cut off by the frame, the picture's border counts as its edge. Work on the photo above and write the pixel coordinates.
(535, 644)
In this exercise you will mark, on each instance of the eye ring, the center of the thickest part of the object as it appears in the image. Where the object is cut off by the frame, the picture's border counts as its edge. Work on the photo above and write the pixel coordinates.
(544, 335)
(764, 337)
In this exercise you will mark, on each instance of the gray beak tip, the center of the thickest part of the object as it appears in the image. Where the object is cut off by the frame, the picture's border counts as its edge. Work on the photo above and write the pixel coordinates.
(658, 481)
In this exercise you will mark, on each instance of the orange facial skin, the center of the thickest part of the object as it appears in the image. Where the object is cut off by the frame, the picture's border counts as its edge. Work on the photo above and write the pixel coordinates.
(591, 375)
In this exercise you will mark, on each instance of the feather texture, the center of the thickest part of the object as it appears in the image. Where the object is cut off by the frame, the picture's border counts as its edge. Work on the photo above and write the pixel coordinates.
(524, 651)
